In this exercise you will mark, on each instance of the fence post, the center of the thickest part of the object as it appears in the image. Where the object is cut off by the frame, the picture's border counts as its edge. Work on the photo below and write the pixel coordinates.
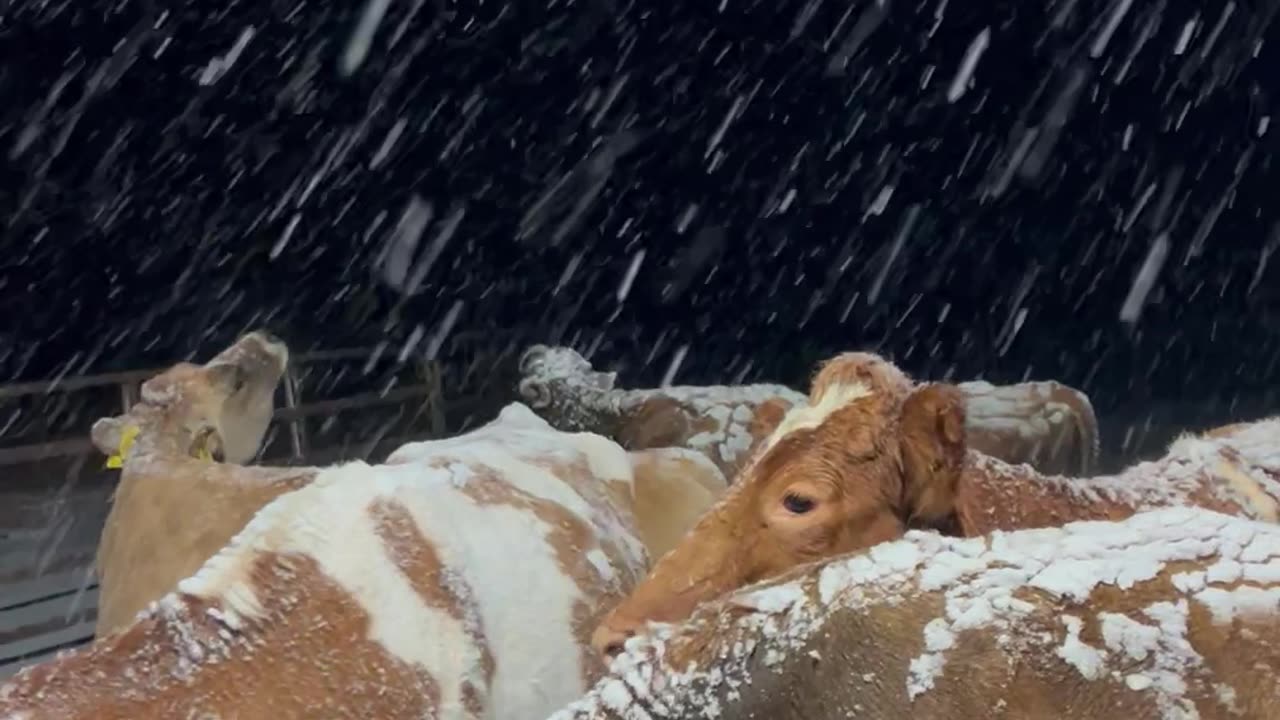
(128, 395)
(436, 398)
(297, 439)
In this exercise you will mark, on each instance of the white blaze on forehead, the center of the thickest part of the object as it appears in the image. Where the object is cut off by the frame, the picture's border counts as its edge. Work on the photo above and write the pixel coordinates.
(978, 579)
(502, 553)
(807, 417)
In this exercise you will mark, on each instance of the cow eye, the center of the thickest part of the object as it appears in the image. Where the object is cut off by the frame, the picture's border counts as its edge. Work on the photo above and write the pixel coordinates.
(797, 504)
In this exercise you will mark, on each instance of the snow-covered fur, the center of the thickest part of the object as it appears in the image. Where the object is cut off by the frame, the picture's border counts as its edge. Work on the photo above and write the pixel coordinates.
(460, 579)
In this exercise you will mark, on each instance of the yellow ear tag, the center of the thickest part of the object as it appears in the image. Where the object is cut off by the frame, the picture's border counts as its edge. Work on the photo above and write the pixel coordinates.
(204, 454)
(127, 436)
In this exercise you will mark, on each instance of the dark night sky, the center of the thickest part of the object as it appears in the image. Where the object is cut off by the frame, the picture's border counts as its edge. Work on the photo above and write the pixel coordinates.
(142, 208)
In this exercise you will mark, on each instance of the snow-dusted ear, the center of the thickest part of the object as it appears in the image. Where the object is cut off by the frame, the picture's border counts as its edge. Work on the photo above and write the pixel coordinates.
(107, 433)
(657, 422)
(157, 391)
(933, 447)
(207, 445)
(226, 376)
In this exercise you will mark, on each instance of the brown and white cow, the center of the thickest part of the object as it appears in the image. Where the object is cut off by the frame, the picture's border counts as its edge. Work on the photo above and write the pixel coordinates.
(1045, 424)
(402, 572)
(460, 579)
(1050, 426)
(868, 458)
(722, 422)
(175, 505)
(1169, 614)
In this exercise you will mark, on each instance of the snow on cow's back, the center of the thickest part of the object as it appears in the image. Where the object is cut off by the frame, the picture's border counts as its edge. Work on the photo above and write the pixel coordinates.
(520, 432)
(990, 585)
(524, 560)
(1247, 459)
(572, 469)
(1256, 443)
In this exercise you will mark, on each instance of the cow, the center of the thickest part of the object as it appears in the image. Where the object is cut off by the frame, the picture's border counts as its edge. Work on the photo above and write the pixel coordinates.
(1172, 613)
(873, 454)
(722, 422)
(183, 495)
(576, 502)
(459, 579)
(1046, 424)
(183, 491)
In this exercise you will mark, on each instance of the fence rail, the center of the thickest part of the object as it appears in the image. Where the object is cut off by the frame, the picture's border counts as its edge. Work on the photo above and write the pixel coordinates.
(42, 613)
(42, 616)
(134, 377)
(293, 412)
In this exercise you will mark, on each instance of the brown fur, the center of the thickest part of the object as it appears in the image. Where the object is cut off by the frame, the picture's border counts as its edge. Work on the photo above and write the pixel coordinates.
(1225, 430)
(848, 466)
(877, 374)
(666, 503)
(874, 467)
(662, 422)
(856, 661)
(281, 668)
(164, 525)
(658, 422)
(170, 511)
(312, 643)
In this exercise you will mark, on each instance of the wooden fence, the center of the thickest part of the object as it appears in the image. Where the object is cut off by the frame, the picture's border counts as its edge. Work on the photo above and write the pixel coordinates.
(48, 536)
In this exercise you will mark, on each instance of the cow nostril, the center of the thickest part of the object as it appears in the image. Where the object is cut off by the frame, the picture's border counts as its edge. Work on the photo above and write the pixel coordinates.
(610, 641)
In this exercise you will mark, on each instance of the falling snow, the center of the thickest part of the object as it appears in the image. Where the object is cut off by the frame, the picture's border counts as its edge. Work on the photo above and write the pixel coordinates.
(1080, 191)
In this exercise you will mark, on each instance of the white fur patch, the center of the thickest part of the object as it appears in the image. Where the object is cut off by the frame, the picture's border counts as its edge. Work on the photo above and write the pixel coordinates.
(807, 417)
(519, 435)
(330, 522)
(523, 597)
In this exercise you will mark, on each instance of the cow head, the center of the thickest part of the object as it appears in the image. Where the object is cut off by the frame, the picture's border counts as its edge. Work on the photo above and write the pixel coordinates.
(869, 456)
(220, 409)
(549, 372)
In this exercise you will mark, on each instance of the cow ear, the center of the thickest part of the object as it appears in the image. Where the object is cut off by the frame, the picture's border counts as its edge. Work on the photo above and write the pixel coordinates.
(657, 422)
(107, 433)
(933, 448)
(768, 416)
(874, 373)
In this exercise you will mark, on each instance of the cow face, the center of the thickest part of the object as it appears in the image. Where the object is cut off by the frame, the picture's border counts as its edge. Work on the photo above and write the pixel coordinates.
(220, 409)
(870, 455)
